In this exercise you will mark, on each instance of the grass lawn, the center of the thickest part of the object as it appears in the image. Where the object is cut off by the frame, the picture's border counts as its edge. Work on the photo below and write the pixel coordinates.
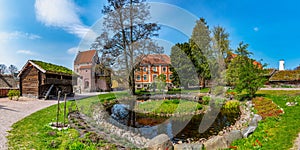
(33, 132)
(278, 92)
(275, 132)
(168, 106)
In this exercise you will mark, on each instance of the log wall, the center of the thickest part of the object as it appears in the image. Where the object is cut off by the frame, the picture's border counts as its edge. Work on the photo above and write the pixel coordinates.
(30, 82)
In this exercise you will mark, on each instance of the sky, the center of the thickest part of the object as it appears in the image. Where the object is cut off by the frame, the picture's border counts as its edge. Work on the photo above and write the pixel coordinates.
(54, 30)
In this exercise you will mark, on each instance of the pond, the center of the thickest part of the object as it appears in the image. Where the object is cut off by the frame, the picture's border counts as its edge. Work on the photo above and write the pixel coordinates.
(181, 128)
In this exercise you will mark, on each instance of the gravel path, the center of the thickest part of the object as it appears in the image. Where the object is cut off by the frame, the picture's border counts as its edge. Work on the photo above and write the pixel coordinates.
(296, 143)
(13, 111)
(281, 89)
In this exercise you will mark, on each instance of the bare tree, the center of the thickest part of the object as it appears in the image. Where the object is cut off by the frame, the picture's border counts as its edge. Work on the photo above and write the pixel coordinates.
(3, 68)
(12, 69)
(127, 36)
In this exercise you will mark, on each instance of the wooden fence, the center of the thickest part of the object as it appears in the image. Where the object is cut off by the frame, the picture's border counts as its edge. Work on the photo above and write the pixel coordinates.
(3, 92)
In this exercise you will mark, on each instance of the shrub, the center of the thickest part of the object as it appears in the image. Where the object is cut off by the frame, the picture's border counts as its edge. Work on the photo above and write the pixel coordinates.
(206, 99)
(231, 106)
(13, 94)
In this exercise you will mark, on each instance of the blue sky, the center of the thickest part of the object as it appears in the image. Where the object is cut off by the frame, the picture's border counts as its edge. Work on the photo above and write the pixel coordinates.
(51, 30)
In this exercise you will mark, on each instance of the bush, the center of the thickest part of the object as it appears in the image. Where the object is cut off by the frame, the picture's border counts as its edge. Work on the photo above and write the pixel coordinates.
(206, 100)
(231, 106)
(13, 94)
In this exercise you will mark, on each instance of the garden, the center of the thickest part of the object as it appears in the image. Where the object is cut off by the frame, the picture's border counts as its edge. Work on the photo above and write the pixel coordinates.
(278, 129)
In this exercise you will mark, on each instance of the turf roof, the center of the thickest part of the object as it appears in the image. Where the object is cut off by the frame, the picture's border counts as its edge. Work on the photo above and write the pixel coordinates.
(51, 68)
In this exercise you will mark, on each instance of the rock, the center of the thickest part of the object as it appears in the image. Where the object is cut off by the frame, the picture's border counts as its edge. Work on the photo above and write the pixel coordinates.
(160, 142)
(217, 142)
(246, 132)
(254, 121)
(188, 147)
(221, 133)
(257, 117)
(233, 135)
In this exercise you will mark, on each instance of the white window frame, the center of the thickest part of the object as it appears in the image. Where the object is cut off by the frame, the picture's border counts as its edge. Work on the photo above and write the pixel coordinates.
(138, 77)
(164, 69)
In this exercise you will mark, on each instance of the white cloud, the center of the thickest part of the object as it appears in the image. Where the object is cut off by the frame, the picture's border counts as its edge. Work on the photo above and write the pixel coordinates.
(26, 52)
(5, 36)
(256, 29)
(73, 50)
(62, 14)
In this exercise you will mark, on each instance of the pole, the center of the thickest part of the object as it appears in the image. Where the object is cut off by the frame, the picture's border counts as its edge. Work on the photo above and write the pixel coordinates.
(65, 105)
(58, 97)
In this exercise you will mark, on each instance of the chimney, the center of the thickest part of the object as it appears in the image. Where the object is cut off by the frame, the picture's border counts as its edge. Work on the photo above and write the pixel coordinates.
(281, 65)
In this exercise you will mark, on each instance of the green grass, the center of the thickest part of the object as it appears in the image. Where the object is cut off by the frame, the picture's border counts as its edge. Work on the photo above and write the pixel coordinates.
(275, 132)
(205, 90)
(33, 132)
(168, 106)
(85, 105)
(278, 92)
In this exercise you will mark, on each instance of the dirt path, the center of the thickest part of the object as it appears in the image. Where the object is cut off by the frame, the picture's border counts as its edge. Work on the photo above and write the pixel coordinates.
(296, 143)
(13, 111)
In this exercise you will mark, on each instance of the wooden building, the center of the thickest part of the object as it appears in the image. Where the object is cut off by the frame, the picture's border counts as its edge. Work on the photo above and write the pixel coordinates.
(7, 82)
(40, 79)
(285, 78)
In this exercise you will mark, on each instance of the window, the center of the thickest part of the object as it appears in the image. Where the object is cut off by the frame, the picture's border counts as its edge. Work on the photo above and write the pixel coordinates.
(164, 69)
(138, 69)
(145, 77)
(139, 86)
(154, 76)
(145, 69)
(138, 77)
(86, 84)
(170, 77)
(154, 69)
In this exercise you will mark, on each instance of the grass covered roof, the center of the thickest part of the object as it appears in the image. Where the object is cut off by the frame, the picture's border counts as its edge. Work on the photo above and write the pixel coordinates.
(51, 68)
(286, 75)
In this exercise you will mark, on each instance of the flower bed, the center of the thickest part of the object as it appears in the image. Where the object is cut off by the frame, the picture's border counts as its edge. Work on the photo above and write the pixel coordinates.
(266, 108)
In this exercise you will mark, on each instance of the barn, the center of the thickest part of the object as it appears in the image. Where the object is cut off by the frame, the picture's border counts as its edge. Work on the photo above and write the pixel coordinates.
(39, 79)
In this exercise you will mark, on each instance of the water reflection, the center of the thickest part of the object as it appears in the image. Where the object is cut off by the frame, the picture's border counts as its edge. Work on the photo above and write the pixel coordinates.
(177, 128)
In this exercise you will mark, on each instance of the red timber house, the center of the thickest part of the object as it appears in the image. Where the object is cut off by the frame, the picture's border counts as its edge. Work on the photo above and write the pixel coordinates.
(150, 67)
(90, 80)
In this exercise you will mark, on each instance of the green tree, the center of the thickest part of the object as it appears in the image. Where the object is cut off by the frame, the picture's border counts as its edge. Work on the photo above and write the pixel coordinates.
(200, 49)
(221, 40)
(243, 73)
(182, 66)
(161, 82)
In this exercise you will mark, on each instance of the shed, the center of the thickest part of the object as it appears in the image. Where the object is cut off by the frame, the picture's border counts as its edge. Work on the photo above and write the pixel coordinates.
(286, 77)
(39, 79)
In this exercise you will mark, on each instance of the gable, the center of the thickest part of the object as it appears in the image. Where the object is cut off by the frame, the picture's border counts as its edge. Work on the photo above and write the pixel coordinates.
(85, 57)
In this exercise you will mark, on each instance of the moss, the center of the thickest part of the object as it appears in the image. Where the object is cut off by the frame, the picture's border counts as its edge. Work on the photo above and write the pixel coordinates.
(286, 75)
(53, 68)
